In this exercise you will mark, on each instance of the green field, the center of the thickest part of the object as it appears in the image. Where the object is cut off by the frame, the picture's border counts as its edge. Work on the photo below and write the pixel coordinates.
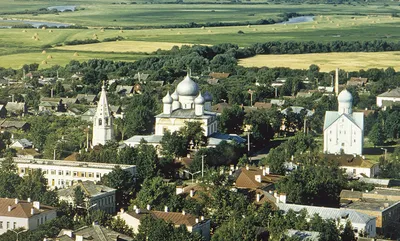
(327, 26)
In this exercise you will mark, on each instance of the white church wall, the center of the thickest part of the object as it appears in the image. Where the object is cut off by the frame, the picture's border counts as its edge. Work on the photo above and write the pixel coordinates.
(344, 135)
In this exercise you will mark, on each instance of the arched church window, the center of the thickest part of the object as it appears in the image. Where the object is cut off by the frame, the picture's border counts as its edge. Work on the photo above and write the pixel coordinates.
(106, 121)
(100, 122)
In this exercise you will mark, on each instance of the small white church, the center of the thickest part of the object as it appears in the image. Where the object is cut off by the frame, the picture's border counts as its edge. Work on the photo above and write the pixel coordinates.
(103, 129)
(344, 129)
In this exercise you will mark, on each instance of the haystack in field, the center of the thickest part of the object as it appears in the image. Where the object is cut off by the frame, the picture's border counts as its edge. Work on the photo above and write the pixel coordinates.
(179, 33)
(76, 54)
(121, 31)
(248, 26)
(50, 31)
(44, 52)
(43, 28)
(296, 27)
(203, 27)
(49, 57)
(254, 29)
(44, 62)
(209, 31)
(24, 31)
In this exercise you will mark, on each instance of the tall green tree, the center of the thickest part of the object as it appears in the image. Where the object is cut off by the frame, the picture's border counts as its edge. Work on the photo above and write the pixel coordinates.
(231, 120)
(173, 144)
(122, 181)
(376, 135)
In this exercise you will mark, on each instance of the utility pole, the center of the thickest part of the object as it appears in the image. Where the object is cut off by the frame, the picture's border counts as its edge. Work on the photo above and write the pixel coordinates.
(202, 165)
(248, 141)
(251, 96)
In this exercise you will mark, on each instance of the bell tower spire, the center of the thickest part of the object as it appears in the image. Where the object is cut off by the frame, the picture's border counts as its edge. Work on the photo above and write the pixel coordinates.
(103, 129)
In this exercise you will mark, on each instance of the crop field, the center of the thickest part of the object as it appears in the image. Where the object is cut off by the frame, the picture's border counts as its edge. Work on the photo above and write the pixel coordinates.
(122, 46)
(327, 61)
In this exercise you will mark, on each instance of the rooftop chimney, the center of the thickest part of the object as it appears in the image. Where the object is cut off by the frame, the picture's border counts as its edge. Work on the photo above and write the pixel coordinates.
(230, 172)
(258, 178)
(29, 200)
(197, 220)
(202, 218)
(68, 233)
(137, 210)
(36, 204)
(179, 190)
(148, 207)
(247, 167)
(191, 192)
(16, 201)
(232, 167)
(166, 209)
(134, 207)
(123, 211)
(9, 208)
(258, 197)
(32, 211)
(183, 212)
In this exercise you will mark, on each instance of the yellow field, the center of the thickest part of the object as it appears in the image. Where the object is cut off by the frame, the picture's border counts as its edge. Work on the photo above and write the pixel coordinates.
(327, 61)
(123, 46)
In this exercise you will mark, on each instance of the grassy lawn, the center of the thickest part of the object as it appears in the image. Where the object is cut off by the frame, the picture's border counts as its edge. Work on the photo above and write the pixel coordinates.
(327, 61)
(62, 58)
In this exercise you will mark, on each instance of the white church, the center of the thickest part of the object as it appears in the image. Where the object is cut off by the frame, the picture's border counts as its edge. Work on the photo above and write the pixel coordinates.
(344, 129)
(103, 128)
(186, 104)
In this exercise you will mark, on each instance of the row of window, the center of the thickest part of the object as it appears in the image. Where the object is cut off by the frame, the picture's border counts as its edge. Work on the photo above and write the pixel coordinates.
(14, 226)
(66, 173)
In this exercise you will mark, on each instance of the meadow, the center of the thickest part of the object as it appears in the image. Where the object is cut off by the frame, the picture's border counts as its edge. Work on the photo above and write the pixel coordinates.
(341, 22)
(353, 61)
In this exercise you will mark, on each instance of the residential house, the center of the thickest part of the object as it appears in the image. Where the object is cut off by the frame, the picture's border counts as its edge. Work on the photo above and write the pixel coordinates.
(125, 90)
(16, 108)
(219, 75)
(61, 174)
(22, 144)
(141, 77)
(10, 125)
(90, 99)
(355, 165)
(101, 196)
(361, 222)
(303, 235)
(277, 102)
(77, 76)
(15, 214)
(263, 105)
(382, 203)
(90, 233)
(389, 98)
(254, 178)
(192, 223)
(278, 82)
(219, 108)
(357, 82)
(56, 104)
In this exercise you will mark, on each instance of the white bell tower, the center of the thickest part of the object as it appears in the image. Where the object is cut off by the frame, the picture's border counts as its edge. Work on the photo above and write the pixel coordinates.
(103, 129)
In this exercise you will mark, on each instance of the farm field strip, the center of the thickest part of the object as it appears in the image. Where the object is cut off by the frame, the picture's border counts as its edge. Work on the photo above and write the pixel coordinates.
(327, 61)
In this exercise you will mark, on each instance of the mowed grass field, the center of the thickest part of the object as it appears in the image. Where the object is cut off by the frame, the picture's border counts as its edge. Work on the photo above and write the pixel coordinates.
(327, 61)
(325, 28)
(111, 13)
(50, 58)
(18, 47)
(122, 46)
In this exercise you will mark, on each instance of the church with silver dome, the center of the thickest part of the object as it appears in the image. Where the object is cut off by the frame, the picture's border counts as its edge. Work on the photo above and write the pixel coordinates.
(184, 105)
(344, 129)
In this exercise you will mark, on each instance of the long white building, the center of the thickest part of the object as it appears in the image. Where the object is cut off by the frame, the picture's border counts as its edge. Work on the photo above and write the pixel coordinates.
(63, 174)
